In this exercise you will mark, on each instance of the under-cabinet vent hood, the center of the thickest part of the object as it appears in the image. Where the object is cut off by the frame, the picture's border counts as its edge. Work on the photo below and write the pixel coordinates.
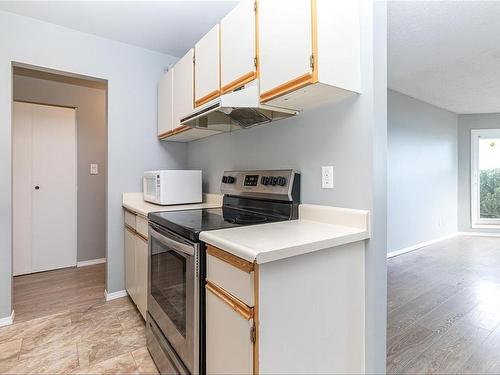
(238, 109)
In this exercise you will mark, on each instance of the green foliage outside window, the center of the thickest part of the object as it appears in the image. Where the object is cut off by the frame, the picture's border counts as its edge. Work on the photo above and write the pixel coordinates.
(490, 193)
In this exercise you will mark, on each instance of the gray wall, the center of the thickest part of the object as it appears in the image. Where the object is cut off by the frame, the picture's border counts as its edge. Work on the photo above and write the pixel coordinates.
(422, 172)
(465, 124)
(132, 74)
(351, 135)
(91, 148)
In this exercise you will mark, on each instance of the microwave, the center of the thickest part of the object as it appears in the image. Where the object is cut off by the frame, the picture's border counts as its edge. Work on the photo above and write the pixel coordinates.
(168, 187)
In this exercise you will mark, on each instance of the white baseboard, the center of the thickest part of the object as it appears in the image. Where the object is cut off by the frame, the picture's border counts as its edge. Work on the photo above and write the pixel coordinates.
(420, 245)
(90, 262)
(479, 234)
(114, 295)
(8, 320)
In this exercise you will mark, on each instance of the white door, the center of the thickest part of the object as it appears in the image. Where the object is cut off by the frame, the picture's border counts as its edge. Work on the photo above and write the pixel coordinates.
(183, 87)
(238, 46)
(206, 67)
(44, 188)
(285, 42)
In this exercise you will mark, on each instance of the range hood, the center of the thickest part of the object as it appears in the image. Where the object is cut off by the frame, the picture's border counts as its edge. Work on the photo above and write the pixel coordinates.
(238, 109)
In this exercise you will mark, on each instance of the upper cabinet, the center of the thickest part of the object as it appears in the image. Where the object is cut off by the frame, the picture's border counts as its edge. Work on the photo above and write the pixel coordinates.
(238, 46)
(165, 104)
(183, 87)
(207, 71)
(309, 52)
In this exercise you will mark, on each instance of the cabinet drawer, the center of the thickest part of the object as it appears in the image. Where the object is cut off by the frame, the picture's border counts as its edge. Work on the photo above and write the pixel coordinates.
(232, 274)
(141, 226)
(130, 219)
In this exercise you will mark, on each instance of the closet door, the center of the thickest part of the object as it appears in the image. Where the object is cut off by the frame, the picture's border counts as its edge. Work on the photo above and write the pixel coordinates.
(44, 188)
(21, 187)
(54, 202)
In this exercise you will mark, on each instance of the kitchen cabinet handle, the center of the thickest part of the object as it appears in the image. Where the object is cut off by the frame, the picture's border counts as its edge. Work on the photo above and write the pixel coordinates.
(238, 306)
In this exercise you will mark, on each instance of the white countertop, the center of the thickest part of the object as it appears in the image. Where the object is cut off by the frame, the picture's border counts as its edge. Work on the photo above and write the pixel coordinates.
(318, 227)
(135, 203)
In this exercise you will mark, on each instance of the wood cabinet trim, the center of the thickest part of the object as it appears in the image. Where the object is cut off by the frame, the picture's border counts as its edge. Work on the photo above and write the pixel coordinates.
(135, 232)
(130, 229)
(314, 44)
(238, 82)
(257, 55)
(205, 99)
(287, 87)
(231, 259)
(177, 130)
(256, 320)
(238, 306)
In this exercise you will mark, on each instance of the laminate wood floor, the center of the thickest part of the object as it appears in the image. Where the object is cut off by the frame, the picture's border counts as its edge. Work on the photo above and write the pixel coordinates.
(63, 325)
(444, 308)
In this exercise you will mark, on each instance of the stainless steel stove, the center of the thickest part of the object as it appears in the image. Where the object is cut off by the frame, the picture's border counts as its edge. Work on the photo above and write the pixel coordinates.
(176, 293)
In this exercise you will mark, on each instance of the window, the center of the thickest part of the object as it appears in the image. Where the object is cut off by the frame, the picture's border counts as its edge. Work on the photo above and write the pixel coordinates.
(485, 177)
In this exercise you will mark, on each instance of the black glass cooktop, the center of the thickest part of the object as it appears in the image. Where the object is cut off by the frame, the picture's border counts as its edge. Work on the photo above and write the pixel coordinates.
(189, 223)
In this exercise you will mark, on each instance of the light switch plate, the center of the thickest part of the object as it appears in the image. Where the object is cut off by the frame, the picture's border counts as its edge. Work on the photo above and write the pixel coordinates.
(327, 177)
(94, 168)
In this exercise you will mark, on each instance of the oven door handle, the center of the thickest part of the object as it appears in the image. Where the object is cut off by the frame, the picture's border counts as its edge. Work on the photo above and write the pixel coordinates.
(175, 245)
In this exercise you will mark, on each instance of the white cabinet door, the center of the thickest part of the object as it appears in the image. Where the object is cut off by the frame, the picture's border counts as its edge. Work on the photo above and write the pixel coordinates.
(238, 46)
(285, 43)
(206, 67)
(183, 87)
(130, 262)
(141, 274)
(165, 103)
(228, 338)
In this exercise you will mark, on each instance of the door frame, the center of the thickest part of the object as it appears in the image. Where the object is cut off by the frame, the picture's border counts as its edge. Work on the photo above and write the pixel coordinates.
(75, 251)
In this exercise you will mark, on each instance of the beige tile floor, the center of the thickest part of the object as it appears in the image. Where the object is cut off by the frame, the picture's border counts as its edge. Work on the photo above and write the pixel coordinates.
(69, 328)
(444, 308)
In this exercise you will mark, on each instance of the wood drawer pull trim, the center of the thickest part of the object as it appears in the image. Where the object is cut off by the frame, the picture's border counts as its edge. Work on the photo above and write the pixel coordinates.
(207, 98)
(238, 82)
(287, 87)
(238, 306)
(179, 129)
(233, 260)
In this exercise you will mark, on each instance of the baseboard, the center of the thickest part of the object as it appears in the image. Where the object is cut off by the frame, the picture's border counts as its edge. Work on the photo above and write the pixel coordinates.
(420, 245)
(90, 262)
(8, 320)
(479, 234)
(114, 295)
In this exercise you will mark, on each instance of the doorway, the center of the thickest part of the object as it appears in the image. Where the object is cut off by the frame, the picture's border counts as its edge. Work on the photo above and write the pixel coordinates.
(44, 188)
(59, 188)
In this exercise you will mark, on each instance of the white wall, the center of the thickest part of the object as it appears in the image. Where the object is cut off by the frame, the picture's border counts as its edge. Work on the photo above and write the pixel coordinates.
(350, 135)
(132, 74)
(465, 124)
(422, 172)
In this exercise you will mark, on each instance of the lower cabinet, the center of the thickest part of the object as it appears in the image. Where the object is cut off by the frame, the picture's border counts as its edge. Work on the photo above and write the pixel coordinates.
(231, 316)
(136, 262)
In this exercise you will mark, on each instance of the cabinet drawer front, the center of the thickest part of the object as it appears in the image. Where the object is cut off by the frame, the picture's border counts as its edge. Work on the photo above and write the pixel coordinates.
(130, 219)
(234, 280)
(141, 226)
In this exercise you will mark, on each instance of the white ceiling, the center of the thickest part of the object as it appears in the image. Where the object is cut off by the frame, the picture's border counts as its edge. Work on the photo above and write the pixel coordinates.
(446, 53)
(171, 27)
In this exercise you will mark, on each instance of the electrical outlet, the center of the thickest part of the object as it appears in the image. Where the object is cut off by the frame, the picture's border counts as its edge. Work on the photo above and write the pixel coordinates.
(94, 168)
(327, 177)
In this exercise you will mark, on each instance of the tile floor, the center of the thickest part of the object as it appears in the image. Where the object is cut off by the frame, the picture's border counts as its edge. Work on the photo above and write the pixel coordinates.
(444, 308)
(69, 328)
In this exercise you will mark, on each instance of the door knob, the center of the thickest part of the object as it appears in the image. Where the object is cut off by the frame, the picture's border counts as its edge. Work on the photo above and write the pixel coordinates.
(37, 187)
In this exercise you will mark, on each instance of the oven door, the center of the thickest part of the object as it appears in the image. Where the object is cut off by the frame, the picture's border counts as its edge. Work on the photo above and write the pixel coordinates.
(173, 292)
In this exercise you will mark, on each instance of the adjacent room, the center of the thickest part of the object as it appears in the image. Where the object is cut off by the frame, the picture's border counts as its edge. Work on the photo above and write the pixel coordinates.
(443, 210)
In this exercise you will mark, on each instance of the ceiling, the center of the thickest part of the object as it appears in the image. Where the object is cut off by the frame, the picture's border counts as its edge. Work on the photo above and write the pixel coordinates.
(170, 27)
(446, 53)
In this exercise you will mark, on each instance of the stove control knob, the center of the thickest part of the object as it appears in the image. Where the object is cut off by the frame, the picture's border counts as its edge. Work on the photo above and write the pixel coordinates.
(281, 181)
(230, 179)
(273, 181)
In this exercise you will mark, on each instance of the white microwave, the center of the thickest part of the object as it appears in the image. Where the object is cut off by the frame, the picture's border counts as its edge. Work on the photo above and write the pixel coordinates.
(167, 187)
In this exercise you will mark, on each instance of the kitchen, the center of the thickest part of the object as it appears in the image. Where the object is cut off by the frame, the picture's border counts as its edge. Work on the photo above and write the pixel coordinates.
(255, 168)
